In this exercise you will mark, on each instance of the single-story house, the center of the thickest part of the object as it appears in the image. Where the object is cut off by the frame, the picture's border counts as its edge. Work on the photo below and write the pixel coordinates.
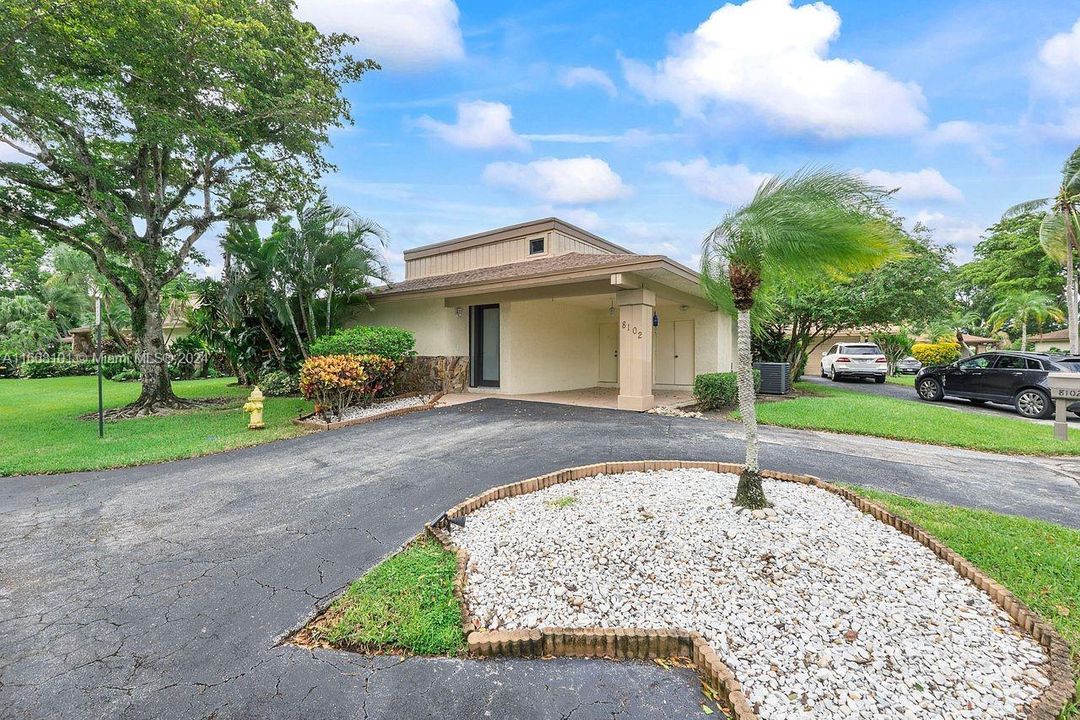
(1056, 340)
(545, 306)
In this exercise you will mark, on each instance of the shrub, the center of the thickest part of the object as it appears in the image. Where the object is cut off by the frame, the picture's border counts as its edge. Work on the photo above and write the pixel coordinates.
(335, 382)
(717, 390)
(125, 376)
(37, 369)
(389, 342)
(278, 383)
(936, 353)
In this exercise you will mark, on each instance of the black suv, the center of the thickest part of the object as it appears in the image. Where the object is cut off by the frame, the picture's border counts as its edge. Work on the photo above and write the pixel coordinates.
(1006, 377)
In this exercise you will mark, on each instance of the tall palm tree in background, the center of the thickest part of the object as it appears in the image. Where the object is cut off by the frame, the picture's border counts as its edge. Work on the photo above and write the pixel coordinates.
(1059, 235)
(1023, 308)
(811, 223)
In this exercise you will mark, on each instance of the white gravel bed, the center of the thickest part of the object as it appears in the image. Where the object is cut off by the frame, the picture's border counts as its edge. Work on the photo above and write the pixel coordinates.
(819, 609)
(356, 413)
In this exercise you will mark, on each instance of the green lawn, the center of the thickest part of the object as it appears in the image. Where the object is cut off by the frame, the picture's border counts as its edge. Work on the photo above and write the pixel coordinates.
(1038, 561)
(40, 431)
(849, 411)
(908, 380)
(404, 604)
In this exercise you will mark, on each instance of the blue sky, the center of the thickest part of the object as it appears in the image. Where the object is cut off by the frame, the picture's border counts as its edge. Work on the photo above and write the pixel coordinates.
(645, 121)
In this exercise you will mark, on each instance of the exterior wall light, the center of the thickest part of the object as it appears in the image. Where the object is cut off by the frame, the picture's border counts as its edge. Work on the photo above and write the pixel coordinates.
(460, 312)
(655, 319)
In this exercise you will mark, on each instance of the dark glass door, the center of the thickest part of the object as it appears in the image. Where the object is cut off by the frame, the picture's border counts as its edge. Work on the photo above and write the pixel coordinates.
(484, 345)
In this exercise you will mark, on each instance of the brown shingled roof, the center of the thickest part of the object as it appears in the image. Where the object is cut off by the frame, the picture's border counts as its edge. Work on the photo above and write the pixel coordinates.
(1056, 335)
(525, 269)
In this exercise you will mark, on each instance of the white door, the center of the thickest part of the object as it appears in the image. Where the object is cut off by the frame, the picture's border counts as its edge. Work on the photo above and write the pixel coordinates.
(664, 354)
(609, 352)
(684, 352)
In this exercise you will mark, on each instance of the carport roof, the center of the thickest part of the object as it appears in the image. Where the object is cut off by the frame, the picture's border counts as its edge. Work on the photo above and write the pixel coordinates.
(557, 269)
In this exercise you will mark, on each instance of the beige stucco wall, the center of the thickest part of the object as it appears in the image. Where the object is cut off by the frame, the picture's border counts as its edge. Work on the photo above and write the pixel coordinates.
(714, 342)
(438, 330)
(1045, 345)
(548, 345)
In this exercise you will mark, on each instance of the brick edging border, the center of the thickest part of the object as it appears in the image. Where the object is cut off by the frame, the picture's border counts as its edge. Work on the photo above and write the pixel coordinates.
(643, 644)
(308, 421)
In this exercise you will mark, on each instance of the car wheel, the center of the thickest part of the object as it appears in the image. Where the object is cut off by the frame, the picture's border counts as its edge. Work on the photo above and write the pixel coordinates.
(823, 373)
(879, 379)
(1033, 403)
(930, 389)
(833, 375)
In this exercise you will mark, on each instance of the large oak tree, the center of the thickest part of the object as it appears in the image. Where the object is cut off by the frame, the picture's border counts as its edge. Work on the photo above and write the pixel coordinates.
(141, 126)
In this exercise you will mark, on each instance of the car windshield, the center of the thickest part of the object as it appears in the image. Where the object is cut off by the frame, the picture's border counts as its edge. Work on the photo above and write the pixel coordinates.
(861, 350)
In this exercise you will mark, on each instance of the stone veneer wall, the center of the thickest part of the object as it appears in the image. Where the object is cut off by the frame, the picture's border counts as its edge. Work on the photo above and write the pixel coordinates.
(640, 643)
(433, 374)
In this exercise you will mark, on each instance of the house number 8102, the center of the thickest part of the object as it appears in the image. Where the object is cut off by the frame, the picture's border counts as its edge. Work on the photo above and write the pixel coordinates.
(633, 330)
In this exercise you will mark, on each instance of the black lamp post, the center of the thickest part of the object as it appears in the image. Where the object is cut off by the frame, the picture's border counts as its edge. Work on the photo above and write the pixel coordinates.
(100, 398)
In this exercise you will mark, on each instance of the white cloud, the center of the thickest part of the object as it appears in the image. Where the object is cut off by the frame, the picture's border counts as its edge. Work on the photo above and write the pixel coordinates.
(925, 184)
(572, 181)
(635, 136)
(978, 137)
(398, 34)
(772, 58)
(723, 183)
(480, 125)
(960, 233)
(1058, 69)
(588, 76)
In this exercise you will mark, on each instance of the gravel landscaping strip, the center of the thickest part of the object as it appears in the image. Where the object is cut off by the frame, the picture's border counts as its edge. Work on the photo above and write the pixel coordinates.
(359, 413)
(819, 609)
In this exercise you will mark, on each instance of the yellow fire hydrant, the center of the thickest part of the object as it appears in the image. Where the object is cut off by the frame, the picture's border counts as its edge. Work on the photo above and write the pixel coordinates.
(254, 406)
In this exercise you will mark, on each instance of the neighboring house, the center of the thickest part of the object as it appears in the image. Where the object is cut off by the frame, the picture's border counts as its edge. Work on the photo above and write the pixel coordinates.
(174, 326)
(1057, 340)
(546, 306)
(979, 344)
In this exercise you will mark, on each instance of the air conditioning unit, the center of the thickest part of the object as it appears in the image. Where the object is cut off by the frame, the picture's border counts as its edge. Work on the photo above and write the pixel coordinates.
(774, 377)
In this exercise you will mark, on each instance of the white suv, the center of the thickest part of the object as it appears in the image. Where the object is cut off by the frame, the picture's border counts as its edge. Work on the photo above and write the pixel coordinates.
(859, 360)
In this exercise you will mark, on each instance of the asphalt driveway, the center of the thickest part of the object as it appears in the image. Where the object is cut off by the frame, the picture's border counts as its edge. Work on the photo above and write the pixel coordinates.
(163, 591)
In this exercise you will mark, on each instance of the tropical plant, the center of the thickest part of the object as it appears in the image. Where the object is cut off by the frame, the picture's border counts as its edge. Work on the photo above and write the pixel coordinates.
(326, 256)
(142, 126)
(1023, 308)
(1059, 235)
(810, 223)
(896, 345)
(336, 382)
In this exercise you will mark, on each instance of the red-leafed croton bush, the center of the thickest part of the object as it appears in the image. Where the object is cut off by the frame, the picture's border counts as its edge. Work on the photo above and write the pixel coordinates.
(336, 382)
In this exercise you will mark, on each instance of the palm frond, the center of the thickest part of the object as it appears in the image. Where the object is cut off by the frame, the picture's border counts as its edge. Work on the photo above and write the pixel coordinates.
(1027, 206)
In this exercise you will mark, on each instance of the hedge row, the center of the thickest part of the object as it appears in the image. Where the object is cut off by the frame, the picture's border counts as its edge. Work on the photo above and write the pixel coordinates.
(717, 390)
(35, 369)
(387, 342)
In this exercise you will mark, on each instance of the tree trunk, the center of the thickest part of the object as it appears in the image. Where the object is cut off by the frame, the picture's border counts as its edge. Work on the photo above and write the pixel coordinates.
(1071, 291)
(749, 494)
(157, 393)
(273, 345)
(1023, 337)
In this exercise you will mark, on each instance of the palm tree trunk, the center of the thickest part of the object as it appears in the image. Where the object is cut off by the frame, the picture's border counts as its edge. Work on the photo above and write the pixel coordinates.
(749, 494)
(329, 302)
(296, 330)
(1023, 337)
(1071, 291)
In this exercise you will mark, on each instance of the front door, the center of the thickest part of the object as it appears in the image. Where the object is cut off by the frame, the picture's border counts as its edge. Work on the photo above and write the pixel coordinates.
(684, 352)
(673, 353)
(484, 345)
(609, 352)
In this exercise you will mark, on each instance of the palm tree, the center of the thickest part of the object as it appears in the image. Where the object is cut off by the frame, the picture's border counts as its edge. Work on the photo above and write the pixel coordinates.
(1059, 235)
(812, 223)
(1023, 308)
